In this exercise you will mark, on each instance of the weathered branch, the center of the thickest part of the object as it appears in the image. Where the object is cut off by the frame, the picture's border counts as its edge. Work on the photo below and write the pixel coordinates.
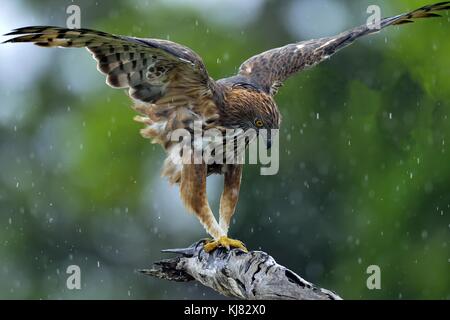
(234, 273)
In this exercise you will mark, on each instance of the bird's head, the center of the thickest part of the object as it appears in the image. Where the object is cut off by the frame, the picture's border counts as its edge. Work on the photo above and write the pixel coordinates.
(247, 108)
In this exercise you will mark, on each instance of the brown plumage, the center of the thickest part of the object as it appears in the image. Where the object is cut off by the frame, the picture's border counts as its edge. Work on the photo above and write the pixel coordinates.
(171, 90)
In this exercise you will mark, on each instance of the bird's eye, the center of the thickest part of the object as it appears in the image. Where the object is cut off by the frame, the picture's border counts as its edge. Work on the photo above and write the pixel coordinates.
(259, 123)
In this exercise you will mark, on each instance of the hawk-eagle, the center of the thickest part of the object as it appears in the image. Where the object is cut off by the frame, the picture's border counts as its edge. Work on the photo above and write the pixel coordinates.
(171, 89)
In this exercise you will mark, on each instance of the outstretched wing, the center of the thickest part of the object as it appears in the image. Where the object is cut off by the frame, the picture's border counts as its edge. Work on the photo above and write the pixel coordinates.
(167, 81)
(269, 69)
(151, 69)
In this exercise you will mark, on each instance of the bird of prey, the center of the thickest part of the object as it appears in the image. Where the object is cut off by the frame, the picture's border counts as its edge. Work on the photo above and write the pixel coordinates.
(171, 89)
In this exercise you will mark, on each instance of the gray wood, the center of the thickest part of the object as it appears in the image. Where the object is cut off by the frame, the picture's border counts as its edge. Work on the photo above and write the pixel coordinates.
(234, 273)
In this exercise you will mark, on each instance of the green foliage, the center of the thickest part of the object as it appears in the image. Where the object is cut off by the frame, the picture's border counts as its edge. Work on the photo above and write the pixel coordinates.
(364, 165)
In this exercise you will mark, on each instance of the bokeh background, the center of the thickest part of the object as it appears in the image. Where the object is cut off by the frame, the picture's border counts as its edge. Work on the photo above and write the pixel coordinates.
(364, 164)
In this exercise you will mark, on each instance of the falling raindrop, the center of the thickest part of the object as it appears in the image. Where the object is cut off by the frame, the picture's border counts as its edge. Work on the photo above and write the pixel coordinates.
(424, 234)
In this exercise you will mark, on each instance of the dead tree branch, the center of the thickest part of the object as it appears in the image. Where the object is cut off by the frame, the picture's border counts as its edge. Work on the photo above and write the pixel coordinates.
(254, 275)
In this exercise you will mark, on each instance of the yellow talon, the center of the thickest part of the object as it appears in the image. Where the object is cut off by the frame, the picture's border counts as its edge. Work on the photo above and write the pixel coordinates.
(225, 242)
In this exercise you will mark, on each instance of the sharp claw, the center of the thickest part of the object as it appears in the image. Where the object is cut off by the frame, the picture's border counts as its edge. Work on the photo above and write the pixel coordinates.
(208, 247)
(243, 248)
(224, 242)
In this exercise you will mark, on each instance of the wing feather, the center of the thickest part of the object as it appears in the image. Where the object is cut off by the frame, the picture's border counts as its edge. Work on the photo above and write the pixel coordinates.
(147, 67)
(167, 81)
(269, 69)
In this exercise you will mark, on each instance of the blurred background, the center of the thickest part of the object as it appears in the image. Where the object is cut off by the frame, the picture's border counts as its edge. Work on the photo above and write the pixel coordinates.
(364, 163)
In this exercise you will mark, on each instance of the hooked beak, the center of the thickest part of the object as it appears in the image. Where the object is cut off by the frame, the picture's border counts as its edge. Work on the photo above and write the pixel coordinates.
(268, 140)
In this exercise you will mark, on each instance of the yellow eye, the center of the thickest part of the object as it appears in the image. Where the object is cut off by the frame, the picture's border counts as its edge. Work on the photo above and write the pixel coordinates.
(259, 123)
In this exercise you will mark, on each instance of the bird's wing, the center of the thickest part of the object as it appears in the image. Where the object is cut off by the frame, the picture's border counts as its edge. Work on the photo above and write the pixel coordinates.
(269, 69)
(167, 81)
(150, 69)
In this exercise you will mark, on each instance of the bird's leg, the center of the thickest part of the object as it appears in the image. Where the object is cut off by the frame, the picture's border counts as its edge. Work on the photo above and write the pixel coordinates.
(193, 194)
(230, 195)
(228, 202)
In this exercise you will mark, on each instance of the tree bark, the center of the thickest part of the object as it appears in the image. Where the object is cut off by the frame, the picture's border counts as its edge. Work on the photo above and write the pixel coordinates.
(234, 273)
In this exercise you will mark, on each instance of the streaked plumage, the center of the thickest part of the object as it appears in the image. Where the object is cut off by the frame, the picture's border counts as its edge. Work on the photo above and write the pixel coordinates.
(171, 89)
